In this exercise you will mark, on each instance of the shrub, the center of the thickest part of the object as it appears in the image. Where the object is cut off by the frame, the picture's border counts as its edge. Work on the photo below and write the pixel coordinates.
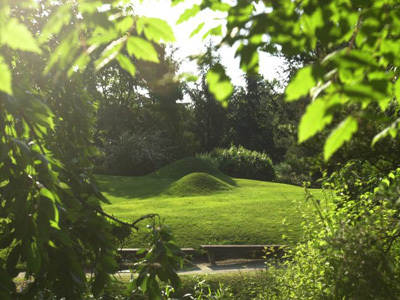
(133, 154)
(351, 251)
(354, 179)
(299, 170)
(242, 163)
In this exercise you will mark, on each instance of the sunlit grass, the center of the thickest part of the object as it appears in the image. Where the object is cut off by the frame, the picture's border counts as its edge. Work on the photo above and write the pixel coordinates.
(251, 212)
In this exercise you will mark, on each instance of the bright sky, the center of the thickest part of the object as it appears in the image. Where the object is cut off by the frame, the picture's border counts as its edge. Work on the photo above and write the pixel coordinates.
(191, 46)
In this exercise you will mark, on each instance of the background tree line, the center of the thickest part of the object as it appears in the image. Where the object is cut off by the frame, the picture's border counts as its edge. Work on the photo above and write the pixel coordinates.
(145, 122)
(155, 118)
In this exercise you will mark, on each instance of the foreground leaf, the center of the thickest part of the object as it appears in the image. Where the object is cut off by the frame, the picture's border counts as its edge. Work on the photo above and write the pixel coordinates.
(142, 49)
(18, 37)
(314, 119)
(5, 77)
(300, 85)
(126, 64)
(341, 134)
(219, 84)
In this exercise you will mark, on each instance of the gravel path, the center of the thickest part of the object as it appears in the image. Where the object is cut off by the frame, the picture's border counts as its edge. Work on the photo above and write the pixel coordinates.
(227, 266)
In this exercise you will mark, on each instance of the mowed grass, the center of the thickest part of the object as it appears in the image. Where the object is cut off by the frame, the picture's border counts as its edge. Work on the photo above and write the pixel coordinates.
(248, 212)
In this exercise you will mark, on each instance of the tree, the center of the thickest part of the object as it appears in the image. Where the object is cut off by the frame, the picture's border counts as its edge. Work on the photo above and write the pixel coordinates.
(210, 117)
(50, 205)
(131, 109)
(253, 114)
(361, 73)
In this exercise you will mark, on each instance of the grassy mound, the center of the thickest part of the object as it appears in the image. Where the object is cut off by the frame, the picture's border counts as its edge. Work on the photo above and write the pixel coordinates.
(196, 184)
(188, 165)
(159, 181)
(250, 213)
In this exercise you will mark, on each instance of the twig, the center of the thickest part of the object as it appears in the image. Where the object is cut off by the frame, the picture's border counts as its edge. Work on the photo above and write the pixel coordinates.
(353, 38)
(143, 218)
(101, 212)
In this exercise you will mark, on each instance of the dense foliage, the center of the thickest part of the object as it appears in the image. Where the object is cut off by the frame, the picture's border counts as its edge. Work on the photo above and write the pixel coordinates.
(52, 222)
(349, 73)
(133, 154)
(243, 163)
(137, 133)
(348, 79)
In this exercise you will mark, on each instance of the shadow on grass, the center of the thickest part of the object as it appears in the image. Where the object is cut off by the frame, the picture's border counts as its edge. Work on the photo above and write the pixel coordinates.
(141, 187)
(144, 187)
(154, 184)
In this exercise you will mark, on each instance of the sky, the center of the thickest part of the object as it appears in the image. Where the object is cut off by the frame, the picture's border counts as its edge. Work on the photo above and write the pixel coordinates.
(269, 66)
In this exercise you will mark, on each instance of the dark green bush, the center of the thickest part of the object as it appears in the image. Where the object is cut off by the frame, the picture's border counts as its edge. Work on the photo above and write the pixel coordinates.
(351, 251)
(133, 154)
(354, 178)
(242, 163)
(299, 170)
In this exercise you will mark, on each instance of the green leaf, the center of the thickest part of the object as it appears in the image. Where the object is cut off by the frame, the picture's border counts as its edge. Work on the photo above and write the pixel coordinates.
(314, 119)
(301, 83)
(396, 90)
(61, 17)
(59, 55)
(189, 13)
(391, 130)
(356, 59)
(80, 64)
(102, 36)
(220, 6)
(176, 2)
(219, 84)
(377, 90)
(12, 261)
(342, 133)
(34, 259)
(42, 115)
(249, 58)
(7, 286)
(154, 29)
(198, 29)
(131, 286)
(90, 6)
(17, 36)
(47, 204)
(142, 49)
(109, 53)
(101, 279)
(126, 64)
(5, 77)
(216, 31)
(124, 24)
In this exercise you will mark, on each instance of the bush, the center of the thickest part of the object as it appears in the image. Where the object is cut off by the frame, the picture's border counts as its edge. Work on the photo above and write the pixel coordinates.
(354, 179)
(133, 154)
(242, 163)
(299, 170)
(351, 251)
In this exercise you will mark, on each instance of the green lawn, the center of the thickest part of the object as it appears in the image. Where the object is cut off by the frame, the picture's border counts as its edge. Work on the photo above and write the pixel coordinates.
(250, 212)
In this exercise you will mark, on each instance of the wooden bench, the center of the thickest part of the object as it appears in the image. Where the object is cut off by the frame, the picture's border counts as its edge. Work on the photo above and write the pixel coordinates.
(129, 252)
(254, 250)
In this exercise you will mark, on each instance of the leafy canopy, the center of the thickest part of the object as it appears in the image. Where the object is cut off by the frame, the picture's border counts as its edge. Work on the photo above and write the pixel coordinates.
(50, 206)
(357, 55)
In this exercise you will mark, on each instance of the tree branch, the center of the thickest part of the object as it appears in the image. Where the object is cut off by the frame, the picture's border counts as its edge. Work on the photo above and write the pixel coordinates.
(353, 38)
(104, 214)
